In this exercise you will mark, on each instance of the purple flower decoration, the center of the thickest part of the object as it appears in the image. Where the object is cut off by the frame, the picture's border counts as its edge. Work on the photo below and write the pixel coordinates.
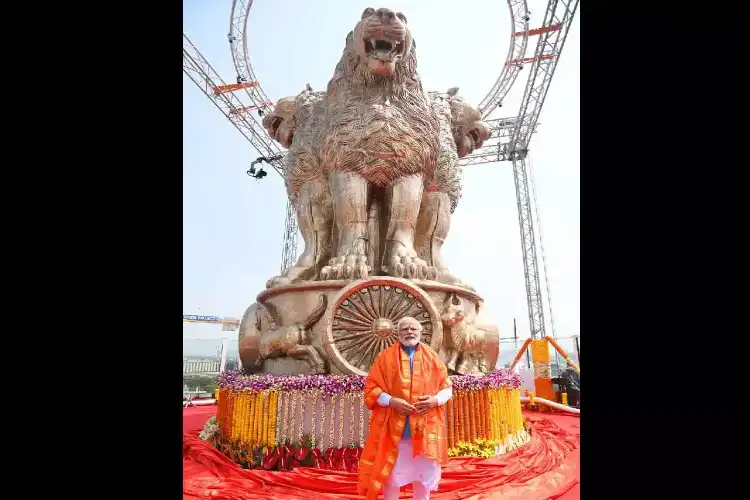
(236, 380)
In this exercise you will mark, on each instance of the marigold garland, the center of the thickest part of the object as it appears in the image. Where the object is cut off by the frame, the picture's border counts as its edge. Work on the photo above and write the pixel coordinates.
(249, 430)
(485, 415)
(244, 410)
(493, 415)
(472, 416)
(467, 418)
(237, 417)
(253, 413)
(272, 411)
(477, 402)
(263, 436)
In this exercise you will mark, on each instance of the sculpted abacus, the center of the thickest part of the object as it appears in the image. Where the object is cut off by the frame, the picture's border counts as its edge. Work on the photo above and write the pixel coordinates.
(372, 170)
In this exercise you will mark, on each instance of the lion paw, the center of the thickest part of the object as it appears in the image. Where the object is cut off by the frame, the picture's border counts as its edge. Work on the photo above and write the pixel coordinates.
(346, 267)
(404, 263)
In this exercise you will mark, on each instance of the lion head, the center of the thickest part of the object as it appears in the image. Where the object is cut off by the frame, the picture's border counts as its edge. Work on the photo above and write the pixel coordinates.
(382, 40)
(468, 129)
(379, 49)
(281, 123)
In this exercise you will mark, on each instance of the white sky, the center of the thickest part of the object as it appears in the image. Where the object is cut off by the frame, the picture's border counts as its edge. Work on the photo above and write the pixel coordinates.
(233, 224)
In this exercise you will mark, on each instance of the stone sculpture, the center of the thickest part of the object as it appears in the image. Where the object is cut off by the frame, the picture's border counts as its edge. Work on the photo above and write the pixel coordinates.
(466, 343)
(373, 172)
(294, 123)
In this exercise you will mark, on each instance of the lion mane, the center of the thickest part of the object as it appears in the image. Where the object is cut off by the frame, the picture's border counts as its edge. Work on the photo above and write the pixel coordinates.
(381, 128)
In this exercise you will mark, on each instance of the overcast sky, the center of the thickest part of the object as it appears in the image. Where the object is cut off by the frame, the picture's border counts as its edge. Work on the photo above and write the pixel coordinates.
(233, 224)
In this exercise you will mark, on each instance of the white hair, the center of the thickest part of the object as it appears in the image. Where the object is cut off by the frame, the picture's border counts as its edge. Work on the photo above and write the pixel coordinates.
(408, 319)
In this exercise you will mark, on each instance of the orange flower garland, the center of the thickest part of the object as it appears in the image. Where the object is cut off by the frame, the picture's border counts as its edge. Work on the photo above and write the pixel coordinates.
(272, 411)
(496, 415)
(250, 429)
(263, 427)
(256, 414)
(487, 423)
(477, 397)
(472, 416)
(465, 425)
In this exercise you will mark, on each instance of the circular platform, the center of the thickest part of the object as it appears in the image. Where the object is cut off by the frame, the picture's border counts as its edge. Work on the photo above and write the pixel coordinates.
(338, 327)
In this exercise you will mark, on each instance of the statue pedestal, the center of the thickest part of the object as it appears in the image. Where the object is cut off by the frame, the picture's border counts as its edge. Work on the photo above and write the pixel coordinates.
(338, 327)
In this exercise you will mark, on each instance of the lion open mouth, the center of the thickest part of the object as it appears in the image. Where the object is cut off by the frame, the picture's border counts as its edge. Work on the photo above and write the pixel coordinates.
(383, 49)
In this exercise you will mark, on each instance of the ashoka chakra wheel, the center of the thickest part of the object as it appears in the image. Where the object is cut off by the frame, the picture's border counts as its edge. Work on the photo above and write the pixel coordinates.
(363, 321)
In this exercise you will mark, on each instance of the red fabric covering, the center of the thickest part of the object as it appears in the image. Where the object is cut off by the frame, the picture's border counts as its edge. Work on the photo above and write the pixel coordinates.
(545, 468)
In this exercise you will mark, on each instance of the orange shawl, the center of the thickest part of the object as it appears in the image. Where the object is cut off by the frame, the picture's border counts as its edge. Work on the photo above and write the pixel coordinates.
(390, 374)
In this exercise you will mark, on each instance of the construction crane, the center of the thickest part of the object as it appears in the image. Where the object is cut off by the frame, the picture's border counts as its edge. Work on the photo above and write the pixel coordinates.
(509, 140)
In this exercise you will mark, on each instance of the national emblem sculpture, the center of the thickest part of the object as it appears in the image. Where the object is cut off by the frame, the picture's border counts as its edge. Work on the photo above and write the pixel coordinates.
(372, 170)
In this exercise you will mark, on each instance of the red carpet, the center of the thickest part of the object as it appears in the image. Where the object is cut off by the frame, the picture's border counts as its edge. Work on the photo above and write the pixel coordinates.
(545, 468)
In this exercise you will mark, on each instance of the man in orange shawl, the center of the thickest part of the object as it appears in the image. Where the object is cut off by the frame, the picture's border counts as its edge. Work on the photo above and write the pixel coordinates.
(406, 388)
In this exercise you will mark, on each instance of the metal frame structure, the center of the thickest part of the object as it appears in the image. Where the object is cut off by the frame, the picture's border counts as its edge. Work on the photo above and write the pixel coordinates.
(509, 138)
(241, 59)
(519, 36)
(231, 104)
(554, 31)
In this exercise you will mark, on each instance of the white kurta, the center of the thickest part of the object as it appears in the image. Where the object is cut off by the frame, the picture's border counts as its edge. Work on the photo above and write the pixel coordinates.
(408, 468)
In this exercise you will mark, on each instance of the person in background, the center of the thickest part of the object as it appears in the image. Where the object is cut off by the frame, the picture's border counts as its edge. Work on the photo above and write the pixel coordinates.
(572, 380)
(407, 442)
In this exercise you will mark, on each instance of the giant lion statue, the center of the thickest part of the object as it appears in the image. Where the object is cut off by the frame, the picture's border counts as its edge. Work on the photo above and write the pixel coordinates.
(379, 143)
(373, 162)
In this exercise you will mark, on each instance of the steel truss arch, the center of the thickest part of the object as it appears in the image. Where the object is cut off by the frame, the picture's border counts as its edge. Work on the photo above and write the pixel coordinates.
(238, 39)
(510, 136)
(241, 59)
(553, 33)
(205, 77)
(519, 36)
